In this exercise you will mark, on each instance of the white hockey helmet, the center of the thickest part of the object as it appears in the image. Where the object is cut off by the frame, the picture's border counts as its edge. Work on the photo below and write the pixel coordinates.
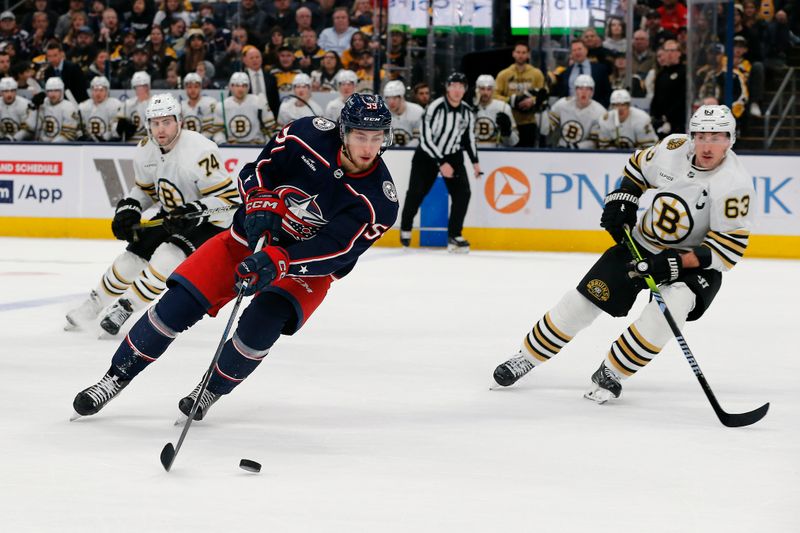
(100, 81)
(394, 88)
(239, 78)
(620, 96)
(711, 118)
(192, 77)
(346, 76)
(584, 80)
(485, 80)
(54, 84)
(140, 78)
(300, 80)
(8, 84)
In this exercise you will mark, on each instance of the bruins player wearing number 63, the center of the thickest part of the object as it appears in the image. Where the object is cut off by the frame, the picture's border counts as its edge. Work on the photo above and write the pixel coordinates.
(695, 227)
(180, 173)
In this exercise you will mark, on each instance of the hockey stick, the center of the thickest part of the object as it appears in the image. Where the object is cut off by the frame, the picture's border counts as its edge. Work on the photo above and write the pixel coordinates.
(731, 420)
(169, 452)
(199, 214)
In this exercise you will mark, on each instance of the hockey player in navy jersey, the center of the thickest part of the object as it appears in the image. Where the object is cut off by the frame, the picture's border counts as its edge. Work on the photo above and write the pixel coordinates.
(321, 195)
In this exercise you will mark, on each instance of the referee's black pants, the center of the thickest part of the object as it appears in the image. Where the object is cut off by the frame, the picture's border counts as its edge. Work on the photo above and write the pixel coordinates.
(424, 171)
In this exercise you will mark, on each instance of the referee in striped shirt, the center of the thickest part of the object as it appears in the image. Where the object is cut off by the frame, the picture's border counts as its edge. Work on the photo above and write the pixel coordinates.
(447, 130)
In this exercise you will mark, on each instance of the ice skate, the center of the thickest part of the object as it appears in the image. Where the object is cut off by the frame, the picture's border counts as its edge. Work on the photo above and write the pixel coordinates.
(86, 312)
(206, 401)
(116, 316)
(606, 385)
(90, 400)
(508, 373)
(458, 245)
(405, 238)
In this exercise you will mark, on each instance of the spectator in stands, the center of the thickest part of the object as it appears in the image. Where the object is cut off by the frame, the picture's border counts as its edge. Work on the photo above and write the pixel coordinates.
(337, 37)
(171, 80)
(618, 74)
(643, 57)
(139, 18)
(323, 14)
(276, 40)
(366, 72)
(23, 73)
(282, 13)
(358, 43)
(84, 50)
(523, 86)
(594, 47)
(396, 53)
(673, 15)
(175, 36)
(324, 78)
(110, 35)
(40, 33)
(195, 51)
(262, 83)
(217, 40)
(255, 21)
(753, 74)
(14, 36)
(361, 13)
(70, 73)
(138, 62)
(77, 22)
(779, 40)
(206, 71)
(713, 81)
(379, 22)
(169, 9)
(303, 21)
(285, 71)
(657, 33)
(5, 64)
(755, 25)
(615, 35)
(98, 68)
(580, 64)
(65, 21)
(161, 54)
(95, 15)
(667, 111)
(422, 94)
(309, 55)
(43, 7)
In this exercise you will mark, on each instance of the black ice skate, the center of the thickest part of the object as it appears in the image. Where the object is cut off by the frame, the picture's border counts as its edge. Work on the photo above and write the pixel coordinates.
(89, 401)
(86, 312)
(116, 316)
(606, 385)
(509, 372)
(206, 401)
(458, 245)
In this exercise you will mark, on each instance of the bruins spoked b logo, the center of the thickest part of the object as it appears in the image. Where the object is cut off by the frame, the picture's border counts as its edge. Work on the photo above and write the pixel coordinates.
(572, 131)
(192, 124)
(671, 221)
(485, 129)
(97, 126)
(240, 126)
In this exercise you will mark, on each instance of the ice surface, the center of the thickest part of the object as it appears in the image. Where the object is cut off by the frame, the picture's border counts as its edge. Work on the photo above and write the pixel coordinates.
(377, 416)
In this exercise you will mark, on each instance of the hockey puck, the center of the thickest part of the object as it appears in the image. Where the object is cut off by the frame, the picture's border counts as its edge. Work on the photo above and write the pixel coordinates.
(250, 466)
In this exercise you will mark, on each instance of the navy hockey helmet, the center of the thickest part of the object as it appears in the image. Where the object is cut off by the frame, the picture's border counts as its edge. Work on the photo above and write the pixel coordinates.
(456, 77)
(366, 112)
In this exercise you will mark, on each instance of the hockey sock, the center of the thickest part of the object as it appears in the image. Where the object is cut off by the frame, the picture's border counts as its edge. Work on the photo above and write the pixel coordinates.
(558, 326)
(645, 338)
(152, 334)
(260, 326)
(119, 276)
(152, 280)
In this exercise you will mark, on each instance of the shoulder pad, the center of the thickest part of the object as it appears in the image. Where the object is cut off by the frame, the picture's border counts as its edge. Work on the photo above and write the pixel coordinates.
(143, 141)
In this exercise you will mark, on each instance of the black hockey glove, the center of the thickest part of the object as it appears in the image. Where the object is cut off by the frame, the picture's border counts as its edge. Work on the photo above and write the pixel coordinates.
(503, 124)
(37, 100)
(126, 128)
(619, 211)
(185, 218)
(128, 213)
(264, 211)
(261, 269)
(664, 267)
(542, 100)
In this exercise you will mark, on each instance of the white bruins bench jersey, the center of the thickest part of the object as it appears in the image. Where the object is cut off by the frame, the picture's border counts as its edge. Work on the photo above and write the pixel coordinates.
(200, 117)
(289, 111)
(58, 123)
(193, 170)
(16, 120)
(100, 121)
(134, 110)
(486, 132)
(406, 126)
(575, 127)
(693, 207)
(334, 109)
(636, 132)
(249, 121)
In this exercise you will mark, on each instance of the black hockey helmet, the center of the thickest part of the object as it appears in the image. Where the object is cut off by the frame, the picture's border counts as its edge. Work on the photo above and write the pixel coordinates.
(366, 112)
(456, 77)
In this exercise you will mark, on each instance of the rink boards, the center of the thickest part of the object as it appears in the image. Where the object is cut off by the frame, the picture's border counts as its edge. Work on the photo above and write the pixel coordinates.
(544, 200)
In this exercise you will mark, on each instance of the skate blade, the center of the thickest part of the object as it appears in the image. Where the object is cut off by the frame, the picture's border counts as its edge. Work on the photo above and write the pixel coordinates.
(456, 250)
(75, 416)
(599, 395)
(71, 326)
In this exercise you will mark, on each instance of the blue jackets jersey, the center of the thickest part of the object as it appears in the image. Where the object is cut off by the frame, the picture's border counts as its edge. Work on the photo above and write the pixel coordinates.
(333, 217)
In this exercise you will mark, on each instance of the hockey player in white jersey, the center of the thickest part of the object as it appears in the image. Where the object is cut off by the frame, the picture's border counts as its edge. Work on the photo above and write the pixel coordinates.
(17, 122)
(299, 104)
(182, 174)
(346, 81)
(131, 127)
(625, 127)
(406, 116)
(573, 119)
(696, 227)
(99, 114)
(243, 118)
(494, 122)
(58, 117)
(198, 110)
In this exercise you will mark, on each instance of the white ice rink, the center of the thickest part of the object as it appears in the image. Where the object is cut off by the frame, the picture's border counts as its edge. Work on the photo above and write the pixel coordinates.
(377, 417)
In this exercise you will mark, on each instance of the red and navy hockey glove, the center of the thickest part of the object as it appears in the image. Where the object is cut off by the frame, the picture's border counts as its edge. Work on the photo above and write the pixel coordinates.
(619, 211)
(264, 211)
(261, 269)
(128, 213)
(664, 267)
(184, 218)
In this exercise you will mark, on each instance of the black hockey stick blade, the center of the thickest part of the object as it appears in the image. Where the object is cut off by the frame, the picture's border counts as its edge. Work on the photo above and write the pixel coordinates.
(167, 456)
(737, 420)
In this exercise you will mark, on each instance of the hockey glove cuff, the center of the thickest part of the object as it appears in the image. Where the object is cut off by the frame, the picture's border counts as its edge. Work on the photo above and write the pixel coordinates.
(619, 211)
(264, 212)
(185, 218)
(503, 124)
(128, 213)
(261, 269)
(664, 267)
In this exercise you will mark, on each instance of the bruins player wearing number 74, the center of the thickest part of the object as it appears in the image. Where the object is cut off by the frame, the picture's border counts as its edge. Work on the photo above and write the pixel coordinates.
(695, 228)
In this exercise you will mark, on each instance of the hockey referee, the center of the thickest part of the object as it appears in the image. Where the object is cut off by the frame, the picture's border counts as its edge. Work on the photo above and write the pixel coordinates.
(447, 130)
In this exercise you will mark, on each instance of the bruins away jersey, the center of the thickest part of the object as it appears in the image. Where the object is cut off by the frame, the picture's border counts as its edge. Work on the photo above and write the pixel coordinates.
(200, 117)
(16, 120)
(99, 121)
(486, 132)
(574, 127)
(58, 123)
(406, 125)
(636, 132)
(249, 121)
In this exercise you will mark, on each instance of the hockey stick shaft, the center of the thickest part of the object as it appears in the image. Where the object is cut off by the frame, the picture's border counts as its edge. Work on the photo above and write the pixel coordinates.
(728, 419)
(204, 213)
(169, 452)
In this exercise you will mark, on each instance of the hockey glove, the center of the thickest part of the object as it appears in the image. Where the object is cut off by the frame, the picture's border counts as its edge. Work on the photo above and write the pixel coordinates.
(37, 100)
(126, 128)
(619, 211)
(261, 269)
(264, 211)
(128, 213)
(503, 124)
(184, 218)
(664, 267)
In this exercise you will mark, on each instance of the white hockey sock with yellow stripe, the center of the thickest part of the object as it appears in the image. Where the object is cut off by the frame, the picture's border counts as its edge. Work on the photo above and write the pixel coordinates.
(152, 280)
(119, 277)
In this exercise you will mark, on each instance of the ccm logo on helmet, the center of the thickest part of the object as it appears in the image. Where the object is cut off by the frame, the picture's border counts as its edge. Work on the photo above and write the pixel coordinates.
(258, 204)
